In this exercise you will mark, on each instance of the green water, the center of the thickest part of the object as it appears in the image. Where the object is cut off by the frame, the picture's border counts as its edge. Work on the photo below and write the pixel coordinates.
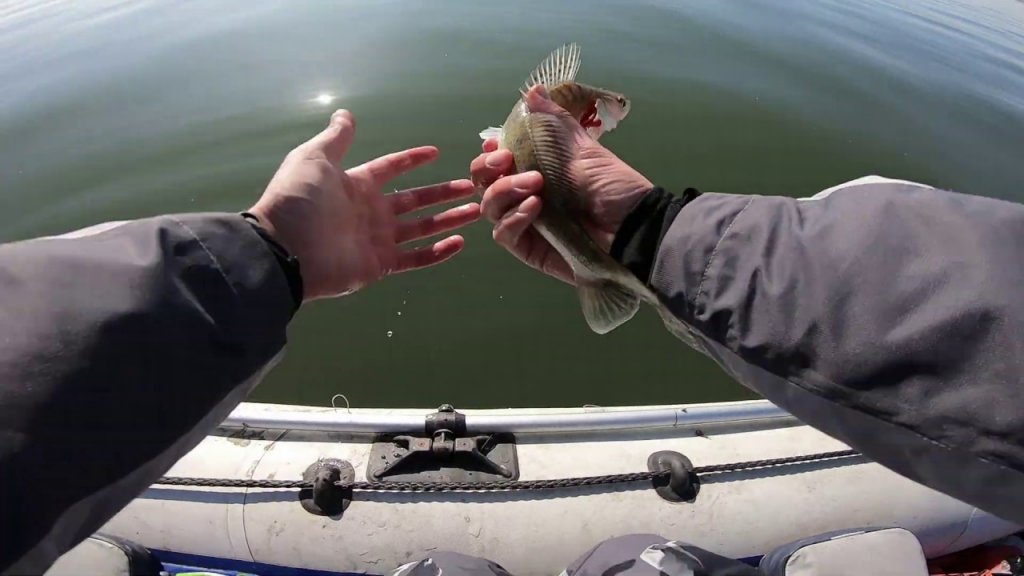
(114, 110)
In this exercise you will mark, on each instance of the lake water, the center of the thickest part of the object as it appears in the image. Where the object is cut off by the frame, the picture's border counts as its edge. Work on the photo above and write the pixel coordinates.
(114, 110)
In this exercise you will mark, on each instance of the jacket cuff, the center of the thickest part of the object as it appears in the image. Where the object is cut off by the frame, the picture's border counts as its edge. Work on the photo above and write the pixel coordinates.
(636, 243)
(250, 266)
(289, 264)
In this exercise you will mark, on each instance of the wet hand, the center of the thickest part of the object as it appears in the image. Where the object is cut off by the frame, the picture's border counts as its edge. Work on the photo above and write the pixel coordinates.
(345, 232)
(512, 202)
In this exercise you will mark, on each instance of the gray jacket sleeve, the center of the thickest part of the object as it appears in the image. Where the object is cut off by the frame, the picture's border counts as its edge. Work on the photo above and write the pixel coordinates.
(121, 346)
(887, 314)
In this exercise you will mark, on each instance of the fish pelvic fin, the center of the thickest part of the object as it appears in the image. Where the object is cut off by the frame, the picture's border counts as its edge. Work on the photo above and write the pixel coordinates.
(606, 303)
(560, 66)
(491, 132)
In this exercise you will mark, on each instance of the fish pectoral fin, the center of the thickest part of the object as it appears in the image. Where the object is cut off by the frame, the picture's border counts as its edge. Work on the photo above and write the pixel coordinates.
(560, 66)
(553, 149)
(606, 304)
(491, 132)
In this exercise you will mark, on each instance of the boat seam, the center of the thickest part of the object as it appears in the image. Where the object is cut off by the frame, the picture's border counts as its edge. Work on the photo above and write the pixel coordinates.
(245, 498)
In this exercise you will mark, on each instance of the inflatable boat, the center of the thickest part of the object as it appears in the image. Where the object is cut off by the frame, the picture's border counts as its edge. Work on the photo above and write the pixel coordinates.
(531, 489)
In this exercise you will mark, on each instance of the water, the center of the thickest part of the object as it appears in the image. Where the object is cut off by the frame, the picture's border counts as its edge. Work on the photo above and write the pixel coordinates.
(113, 110)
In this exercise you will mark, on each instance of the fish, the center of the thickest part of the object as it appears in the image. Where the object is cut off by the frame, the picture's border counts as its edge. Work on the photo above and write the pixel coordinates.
(609, 293)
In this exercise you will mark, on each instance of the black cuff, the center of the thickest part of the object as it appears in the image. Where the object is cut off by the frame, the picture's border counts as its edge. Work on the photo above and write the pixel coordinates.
(637, 241)
(289, 264)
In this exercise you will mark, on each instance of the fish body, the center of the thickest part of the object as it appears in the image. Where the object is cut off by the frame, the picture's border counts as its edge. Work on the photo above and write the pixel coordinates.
(609, 293)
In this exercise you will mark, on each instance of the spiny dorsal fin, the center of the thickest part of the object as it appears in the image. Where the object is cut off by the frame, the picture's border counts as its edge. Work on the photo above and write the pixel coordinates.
(560, 66)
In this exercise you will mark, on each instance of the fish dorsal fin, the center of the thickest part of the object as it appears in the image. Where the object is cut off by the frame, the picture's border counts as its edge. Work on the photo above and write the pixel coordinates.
(560, 66)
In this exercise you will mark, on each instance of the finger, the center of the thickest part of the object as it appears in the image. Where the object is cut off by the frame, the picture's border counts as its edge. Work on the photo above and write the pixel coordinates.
(444, 222)
(429, 255)
(549, 260)
(334, 141)
(381, 170)
(514, 223)
(415, 198)
(501, 196)
(515, 233)
(535, 251)
(489, 166)
(490, 145)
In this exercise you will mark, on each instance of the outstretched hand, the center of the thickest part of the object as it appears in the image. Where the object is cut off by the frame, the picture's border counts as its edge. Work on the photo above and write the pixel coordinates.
(513, 203)
(345, 232)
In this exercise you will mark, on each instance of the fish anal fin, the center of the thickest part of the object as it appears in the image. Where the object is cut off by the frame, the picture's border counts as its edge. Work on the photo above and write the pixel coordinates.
(560, 66)
(606, 304)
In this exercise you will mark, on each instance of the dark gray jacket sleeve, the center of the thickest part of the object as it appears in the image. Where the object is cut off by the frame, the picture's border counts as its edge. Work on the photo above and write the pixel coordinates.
(120, 348)
(889, 315)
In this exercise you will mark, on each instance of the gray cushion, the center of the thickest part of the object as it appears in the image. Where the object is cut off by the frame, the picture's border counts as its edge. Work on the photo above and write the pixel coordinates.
(106, 556)
(875, 551)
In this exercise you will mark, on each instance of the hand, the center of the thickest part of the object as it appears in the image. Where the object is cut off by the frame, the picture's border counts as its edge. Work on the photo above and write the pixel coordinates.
(611, 190)
(344, 231)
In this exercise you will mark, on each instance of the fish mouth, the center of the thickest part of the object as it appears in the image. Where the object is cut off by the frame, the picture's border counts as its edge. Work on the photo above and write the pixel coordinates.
(603, 114)
(591, 118)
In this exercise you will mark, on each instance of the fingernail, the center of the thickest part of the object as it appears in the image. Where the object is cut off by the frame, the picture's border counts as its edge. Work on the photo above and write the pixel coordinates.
(524, 206)
(493, 160)
(341, 115)
(525, 181)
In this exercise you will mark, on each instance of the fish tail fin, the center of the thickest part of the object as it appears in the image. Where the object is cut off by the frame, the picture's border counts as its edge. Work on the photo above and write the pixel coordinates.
(606, 304)
(560, 66)
(491, 132)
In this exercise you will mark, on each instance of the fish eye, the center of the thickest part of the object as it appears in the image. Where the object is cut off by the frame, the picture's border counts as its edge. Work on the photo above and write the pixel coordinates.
(622, 101)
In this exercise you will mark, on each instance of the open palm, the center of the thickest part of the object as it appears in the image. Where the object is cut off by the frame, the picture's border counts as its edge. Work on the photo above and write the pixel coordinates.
(345, 231)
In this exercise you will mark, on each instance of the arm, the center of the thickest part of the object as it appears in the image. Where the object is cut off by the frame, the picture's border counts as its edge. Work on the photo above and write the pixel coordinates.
(122, 346)
(120, 350)
(886, 314)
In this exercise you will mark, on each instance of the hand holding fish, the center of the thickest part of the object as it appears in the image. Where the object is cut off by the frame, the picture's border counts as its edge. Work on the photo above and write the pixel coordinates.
(344, 231)
(570, 195)
(513, 203)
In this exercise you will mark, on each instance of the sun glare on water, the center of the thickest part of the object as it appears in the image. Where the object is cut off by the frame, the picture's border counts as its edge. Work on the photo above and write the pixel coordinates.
(324, 98)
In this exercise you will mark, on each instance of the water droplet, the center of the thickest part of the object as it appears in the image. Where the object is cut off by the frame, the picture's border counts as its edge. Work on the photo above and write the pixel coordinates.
(403, 301)
(390, 333)
(399, 312)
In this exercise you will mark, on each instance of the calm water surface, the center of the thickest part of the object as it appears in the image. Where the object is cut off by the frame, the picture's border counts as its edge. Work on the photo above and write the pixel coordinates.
(114, 110)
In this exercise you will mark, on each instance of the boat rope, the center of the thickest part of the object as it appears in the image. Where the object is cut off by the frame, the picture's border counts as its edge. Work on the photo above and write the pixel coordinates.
(505, 485)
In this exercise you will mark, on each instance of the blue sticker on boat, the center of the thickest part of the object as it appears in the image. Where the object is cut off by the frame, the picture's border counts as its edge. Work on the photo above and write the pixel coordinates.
(181, 564)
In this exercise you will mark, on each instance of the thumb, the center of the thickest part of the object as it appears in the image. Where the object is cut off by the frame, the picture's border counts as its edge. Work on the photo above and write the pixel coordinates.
(334, 141)
(538, 99)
